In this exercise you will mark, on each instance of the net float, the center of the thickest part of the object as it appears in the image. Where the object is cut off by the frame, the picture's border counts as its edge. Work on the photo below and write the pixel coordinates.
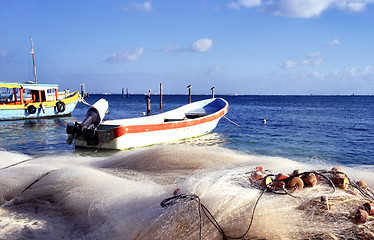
(360, 216)
(341, 182)
(369, 207)
(337, 169)
(260, 169)
(281, 176)
(279, 184)
(266, 182)
(296, 172)
(295, 182)
(310, 180)
(362, 184)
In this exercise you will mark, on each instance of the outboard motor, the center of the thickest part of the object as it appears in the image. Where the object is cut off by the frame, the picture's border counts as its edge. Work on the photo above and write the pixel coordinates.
(87, 129)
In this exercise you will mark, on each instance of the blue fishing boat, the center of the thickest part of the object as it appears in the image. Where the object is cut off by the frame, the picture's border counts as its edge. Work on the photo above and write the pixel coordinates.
(25, 100)
(33, 100)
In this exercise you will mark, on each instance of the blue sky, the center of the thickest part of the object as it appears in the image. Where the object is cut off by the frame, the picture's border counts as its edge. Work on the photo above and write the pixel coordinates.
(240, 46)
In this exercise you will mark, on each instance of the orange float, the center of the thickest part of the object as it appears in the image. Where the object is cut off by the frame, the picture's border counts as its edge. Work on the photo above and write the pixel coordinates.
(281, 176)
(369, 207)
(259, 169)
(360, 216)
(341, 182)
(337, 169)
(279, 184)
(295, 182)
(362, 184)
(296, 172)
(310, 180)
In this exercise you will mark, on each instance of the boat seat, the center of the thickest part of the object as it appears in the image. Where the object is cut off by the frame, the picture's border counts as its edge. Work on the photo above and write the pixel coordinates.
(174, 119)
(192, 115)
(200, 112)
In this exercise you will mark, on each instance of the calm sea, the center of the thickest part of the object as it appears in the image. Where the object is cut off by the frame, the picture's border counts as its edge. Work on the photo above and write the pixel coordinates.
(333, 129)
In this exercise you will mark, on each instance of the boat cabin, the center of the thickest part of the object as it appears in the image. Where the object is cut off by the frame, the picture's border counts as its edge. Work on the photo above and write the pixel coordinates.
(23, 93)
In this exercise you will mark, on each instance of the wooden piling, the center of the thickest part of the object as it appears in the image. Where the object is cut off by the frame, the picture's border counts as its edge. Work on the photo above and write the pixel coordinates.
(148, 99)
(189, 93)
(160, 95)
(123, 92)
(82, 90)
(128, 95)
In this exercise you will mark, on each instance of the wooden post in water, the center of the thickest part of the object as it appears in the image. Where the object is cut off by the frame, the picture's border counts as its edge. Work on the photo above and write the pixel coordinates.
(189, 93)
(148, 99)
(212, 92)
(82, 90)
(123, 92)
(128, 93)
(160, 95)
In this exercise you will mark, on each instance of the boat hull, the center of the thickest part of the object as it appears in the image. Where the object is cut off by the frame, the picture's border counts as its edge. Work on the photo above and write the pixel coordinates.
(129, 136)
(18, 112)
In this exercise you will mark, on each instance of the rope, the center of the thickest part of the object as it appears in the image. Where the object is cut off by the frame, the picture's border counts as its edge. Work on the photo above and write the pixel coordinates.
(81, 99)
(231, 121)
(37, 180)
(193, 197)
(101, 144)
(29, 186)
(14, 164)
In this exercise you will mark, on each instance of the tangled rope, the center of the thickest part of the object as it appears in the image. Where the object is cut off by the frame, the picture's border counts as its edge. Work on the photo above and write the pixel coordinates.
(202, 208)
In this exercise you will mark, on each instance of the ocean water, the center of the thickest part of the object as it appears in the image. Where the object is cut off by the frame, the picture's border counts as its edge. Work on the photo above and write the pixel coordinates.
(332, 129)
(82, 194)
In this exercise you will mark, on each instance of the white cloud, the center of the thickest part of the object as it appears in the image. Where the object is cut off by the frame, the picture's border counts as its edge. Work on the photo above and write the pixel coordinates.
(313, 59)
(297, 8)
(127, 55)
(145, 6)
(243, 3)
(355, 72)
(353, 5)
(334, 42)
(312, 8)
(202, 45)
(289, 64)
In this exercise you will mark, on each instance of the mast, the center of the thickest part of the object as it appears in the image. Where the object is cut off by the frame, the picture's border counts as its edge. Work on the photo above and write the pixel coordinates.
(33, 59)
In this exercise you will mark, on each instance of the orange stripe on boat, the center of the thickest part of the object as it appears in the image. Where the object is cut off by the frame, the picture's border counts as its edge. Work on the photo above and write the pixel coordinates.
(122, 130)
